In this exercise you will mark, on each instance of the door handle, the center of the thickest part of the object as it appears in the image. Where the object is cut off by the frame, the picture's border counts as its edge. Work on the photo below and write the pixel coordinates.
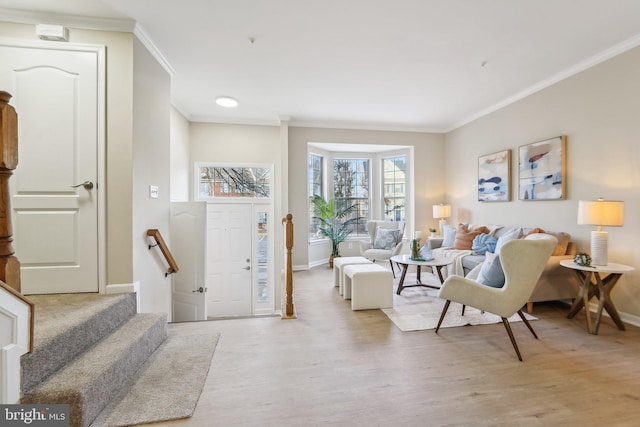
(246, 268)
(200, 289)
(88, 185)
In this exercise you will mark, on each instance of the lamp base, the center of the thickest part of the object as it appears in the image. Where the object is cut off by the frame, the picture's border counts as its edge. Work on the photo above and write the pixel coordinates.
(599, 247)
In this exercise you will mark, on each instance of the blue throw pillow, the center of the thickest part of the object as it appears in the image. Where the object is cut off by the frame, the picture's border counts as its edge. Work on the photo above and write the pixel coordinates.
(386, 238)
(449, 235)
(483, 243)
(491, 273)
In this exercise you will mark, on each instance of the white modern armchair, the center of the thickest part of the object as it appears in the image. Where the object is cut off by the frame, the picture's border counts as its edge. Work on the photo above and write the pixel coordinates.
(384, 244)
(522, 262)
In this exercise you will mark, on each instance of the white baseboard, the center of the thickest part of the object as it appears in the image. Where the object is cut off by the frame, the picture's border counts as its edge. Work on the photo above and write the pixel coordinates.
(631, 319)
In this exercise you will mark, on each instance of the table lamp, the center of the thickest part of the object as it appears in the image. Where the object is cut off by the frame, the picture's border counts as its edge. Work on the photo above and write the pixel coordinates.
(442, 212)
(601, 213)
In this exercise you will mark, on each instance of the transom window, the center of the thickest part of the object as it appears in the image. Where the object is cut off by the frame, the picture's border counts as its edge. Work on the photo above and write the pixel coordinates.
(242, 182)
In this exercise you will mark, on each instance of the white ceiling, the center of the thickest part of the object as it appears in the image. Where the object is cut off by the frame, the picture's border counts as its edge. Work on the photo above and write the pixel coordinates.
(428, 65)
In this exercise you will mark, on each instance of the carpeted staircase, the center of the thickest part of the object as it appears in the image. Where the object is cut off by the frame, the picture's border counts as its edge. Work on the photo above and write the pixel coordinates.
(87, 353)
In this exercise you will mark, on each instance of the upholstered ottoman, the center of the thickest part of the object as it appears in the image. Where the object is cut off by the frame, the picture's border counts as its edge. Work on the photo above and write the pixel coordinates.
(369, 286)
(338, 265)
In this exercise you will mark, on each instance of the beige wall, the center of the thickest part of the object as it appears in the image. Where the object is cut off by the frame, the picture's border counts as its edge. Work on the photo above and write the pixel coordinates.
(598, 111)
(429, 173)
(119, 161)
(179, 157)
(243, 144)
(151, 110)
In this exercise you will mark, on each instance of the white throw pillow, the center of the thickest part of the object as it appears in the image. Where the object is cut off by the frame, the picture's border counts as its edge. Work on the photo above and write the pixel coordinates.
(491, 273)
(509, 235)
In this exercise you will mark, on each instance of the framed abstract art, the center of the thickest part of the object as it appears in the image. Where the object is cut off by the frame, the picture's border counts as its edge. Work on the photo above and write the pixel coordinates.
(494, 172)
(542, 170)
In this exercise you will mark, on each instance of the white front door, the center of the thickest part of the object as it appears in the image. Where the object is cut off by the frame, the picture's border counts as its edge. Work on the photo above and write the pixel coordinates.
(55, 216)
(229, 263)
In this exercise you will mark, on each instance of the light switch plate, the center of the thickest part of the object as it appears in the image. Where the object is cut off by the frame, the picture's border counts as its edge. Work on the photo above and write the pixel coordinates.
(154, 193)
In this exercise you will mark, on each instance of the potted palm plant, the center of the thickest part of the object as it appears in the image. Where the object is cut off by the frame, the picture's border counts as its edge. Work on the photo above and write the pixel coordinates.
(334, 222)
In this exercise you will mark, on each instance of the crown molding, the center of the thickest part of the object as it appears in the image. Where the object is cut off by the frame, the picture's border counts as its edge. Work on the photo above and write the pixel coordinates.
(562, 75)
(83, 22)
(141, 34)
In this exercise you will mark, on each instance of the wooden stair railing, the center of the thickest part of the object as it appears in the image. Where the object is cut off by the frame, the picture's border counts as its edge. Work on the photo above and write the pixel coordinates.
(289, 312)
(155, 234)
(9, 264)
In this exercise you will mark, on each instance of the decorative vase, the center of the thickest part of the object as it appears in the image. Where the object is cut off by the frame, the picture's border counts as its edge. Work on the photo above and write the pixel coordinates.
(414, 249)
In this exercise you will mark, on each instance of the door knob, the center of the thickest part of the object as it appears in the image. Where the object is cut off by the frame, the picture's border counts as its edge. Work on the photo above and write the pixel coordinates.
(88, 185)
(246, 268)
(200, 289)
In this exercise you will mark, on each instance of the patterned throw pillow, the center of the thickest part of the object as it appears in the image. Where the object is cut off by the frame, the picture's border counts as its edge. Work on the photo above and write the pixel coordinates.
(386, 238)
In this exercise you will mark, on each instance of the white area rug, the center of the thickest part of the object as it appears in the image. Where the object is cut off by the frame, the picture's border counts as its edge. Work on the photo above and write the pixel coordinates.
(419, 309)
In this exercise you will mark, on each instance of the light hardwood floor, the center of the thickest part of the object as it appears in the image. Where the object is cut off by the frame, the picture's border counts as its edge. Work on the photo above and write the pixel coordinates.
(334, 366)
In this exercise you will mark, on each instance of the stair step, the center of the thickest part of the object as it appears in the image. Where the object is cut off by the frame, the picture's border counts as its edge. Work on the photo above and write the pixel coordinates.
(167, 386)
(88, 383)
(63, 334)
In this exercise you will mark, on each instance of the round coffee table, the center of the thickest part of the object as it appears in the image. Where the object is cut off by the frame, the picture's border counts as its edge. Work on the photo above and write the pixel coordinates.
(405, 261)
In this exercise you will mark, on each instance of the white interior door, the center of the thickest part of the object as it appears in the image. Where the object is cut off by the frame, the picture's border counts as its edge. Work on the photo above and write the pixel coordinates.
(229, 264)
(55, 93)
(188, 234)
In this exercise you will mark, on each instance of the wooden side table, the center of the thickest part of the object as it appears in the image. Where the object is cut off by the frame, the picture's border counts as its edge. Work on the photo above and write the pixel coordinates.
(601, 289)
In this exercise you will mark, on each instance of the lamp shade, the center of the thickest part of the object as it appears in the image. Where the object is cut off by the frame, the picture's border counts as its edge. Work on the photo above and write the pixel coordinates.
(600, 212)
(441, 211)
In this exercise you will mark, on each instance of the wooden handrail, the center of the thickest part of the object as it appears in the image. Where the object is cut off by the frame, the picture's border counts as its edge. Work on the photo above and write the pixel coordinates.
(173, 266)
(32, 310)
(289, 309)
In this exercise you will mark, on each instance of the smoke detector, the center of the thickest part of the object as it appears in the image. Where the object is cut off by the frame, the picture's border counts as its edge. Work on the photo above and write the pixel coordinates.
(51, 32)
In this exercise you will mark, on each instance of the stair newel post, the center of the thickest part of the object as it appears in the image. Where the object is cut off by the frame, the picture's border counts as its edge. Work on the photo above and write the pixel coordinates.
(289, 309)
(9, 264)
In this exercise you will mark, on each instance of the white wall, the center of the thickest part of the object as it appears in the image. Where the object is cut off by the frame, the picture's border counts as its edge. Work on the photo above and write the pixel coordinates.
(429, 176)
(151, 111)
(598, 111)
(179, 157)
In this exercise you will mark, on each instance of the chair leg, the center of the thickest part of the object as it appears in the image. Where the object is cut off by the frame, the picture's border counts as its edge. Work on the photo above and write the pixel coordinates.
(505, 322)
(444, 311)
(392, 270)
(526, 322)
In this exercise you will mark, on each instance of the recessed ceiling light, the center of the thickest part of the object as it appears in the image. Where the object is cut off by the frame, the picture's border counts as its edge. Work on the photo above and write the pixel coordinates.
(226, 101)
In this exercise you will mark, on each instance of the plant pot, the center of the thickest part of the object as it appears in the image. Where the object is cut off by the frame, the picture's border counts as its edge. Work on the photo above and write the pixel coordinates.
(331, 260)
